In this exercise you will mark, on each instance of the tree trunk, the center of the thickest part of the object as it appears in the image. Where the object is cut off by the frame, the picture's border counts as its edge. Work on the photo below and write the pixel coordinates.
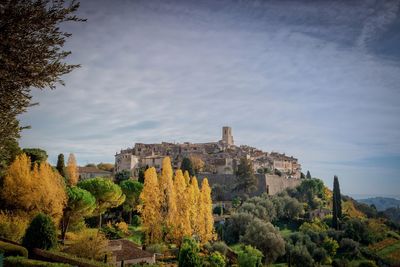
(130, 217)
(64, 228)
(99, 220)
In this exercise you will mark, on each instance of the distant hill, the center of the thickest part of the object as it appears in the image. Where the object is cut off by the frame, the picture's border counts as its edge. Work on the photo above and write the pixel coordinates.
(381, 203)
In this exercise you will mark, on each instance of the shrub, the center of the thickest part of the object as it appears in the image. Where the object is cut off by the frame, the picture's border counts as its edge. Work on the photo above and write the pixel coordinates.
(216, 259)
(136, 221)
(320, 255)
(12, 226)
(189, 254)
(90, 245)
(219, 246)
(111, 232)
(41, 233)
(24, 262)
(349, 248)
(157, 248)
(300, 256)
(122, 227)
(13, 250)
(340, 263)
(250, 257)
(367, 263)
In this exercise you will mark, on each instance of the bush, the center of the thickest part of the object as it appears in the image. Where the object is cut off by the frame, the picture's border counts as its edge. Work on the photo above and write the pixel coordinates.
(349, 248)
(250, 257)
(340, 263)
(189, 254)
(367, 264)
(157, 248)
(300, 256)
(12, 226)
(218, 246)
(111, 232)
(13, 250)
(90, 245)
(136, 221)
(24, 262)
(41, 233)
(216, 259)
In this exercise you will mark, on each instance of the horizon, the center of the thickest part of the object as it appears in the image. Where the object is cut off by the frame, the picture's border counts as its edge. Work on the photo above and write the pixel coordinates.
(314, 80)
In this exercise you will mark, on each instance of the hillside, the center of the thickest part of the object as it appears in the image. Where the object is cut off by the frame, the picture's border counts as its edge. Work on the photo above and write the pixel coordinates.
(381, 203)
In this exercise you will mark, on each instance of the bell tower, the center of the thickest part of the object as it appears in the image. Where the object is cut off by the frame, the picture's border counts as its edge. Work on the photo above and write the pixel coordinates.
(227, 136)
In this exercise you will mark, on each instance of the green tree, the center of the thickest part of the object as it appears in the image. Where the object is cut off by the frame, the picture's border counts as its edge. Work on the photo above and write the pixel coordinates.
(107, 194)
(250, 257)
(132, 190)
(142, 170)
(189, 254)
(122, 176)
(216, 259)
(105, 166)
(41, 233)
(187, 165)
(337, 204)
(245, 179)
(308, 175)
(31, 56)
(36, 155)
(265, 237)
(61, 165)
(80, 204)
(300, 257)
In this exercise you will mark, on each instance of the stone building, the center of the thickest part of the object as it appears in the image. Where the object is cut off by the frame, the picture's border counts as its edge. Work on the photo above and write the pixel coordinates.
(219, 157)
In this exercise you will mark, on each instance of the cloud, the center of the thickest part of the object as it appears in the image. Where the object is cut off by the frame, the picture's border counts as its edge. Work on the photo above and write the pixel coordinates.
(289, 76)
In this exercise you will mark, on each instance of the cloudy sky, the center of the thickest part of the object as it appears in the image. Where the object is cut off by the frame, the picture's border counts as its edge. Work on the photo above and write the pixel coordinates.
(318, 80)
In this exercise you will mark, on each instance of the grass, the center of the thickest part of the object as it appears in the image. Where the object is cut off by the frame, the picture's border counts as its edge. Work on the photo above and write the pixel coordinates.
(389, 249)
(286, 232)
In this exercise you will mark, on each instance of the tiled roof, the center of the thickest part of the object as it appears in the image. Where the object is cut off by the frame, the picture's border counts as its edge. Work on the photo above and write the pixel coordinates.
(129, 250)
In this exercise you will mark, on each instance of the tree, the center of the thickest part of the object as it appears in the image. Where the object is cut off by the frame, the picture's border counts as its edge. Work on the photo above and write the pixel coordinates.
(216, 259)
(41, 233)
(72, 170)
(150, 207)
(80, 204)
(33, 190)
(122, 176)
(189, 254)
(31, 56)
(245, 179)
(236, 226)
(105, 166)
(337, 204)
(141, 174)
(250, 257)
(308, 175)
(132, 190)
(107, 194)
(168, 197)
(300, 257)
(266, 238)
(197, 163)
(187, 165)
(194, 200)
(36, 155)
(61, 165)
(182, 226)
(206, 224)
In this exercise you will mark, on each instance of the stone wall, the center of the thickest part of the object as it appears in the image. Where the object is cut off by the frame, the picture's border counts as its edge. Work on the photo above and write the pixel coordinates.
(271, 184)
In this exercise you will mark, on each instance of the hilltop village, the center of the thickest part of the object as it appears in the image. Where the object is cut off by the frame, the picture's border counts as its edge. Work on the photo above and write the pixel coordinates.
(219, 157)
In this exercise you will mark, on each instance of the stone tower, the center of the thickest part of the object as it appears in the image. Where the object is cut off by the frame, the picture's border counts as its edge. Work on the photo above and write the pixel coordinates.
(227, 137)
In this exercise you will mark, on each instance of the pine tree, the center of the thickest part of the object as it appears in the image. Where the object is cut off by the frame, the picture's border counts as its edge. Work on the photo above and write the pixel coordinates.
(150, 207)
(168, 196)
(337, 204)
(206, 229)
(245, 179)
(61, 165)
(72, 170)
(308, 175)
(182, 220)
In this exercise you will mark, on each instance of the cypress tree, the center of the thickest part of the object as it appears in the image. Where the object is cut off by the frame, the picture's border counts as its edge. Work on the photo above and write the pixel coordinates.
(308, 175)
(61, 165)
(337, 204)
(187, 165)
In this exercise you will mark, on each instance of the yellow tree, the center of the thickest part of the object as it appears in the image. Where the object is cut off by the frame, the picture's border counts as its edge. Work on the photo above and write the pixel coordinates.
(197, 162)
(168, 196)
(206, 227)
(187, 178)
(150, 207)
(194, 199)
(72, 170)
(182, 220)
(38, 190)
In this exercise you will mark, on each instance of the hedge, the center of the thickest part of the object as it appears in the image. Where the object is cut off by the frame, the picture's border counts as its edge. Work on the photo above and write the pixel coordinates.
(67, 258)
(13, 250)
(24, 262)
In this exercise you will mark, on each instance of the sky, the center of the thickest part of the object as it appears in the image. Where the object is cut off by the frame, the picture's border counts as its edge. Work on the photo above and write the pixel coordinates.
(318, 80)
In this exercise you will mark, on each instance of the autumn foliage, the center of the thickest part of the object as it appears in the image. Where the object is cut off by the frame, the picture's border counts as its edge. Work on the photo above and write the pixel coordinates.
(173, 207)
(33, 190)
